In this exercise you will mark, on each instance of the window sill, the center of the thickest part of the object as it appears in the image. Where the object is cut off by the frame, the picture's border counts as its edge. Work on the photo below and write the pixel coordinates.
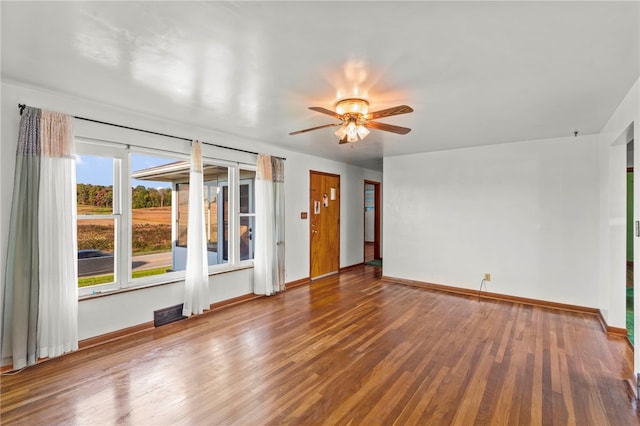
(104, 293)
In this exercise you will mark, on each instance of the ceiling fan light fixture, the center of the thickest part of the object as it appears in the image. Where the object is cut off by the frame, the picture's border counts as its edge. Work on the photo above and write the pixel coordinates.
(356, 119)
(352, 106)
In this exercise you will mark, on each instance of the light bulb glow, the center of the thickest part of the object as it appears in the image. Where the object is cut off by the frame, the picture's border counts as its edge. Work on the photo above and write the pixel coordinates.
(341, 132)
(352, 132)
(362, 131)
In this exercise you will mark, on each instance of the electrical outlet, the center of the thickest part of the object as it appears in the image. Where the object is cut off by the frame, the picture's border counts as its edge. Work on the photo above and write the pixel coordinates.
(487, 277)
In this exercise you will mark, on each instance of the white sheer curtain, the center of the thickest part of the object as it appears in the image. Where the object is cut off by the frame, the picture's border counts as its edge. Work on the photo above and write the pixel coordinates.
(196, 285)
(264, 272)
(58, 305)
(268, 263)
(40, 303)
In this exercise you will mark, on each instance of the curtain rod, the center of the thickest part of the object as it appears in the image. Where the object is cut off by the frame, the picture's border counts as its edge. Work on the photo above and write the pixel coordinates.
(23, 106)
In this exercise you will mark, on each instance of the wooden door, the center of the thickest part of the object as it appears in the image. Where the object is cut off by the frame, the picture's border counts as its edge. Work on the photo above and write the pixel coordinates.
(324, 224)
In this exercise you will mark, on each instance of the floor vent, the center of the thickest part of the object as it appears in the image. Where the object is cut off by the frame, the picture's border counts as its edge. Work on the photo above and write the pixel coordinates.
(167, 315)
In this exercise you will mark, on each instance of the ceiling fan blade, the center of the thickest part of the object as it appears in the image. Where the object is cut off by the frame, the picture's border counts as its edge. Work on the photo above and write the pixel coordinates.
(326, 111)
(401, 109)
(387, 127)
(314, 128)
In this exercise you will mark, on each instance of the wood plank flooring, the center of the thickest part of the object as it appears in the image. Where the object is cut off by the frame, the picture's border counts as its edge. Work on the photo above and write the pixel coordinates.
(368, 252)
(347, 349)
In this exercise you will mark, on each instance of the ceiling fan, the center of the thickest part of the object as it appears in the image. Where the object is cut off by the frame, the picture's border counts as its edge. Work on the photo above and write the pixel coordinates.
(355, 119)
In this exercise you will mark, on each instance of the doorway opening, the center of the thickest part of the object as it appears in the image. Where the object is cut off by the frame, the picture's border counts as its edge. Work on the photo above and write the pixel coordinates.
(372, 254)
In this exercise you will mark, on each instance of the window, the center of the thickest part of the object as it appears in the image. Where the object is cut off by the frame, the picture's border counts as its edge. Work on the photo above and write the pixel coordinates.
(152, 181)
(99, 216)
(133, 210)
(216, 213)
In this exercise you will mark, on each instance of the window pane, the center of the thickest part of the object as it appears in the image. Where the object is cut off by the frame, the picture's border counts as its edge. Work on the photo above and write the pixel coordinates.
(96, 244)
(183, 213)
(94, 176)
(216, 208)
(211, 191)
(246, 191)
(95, 237)
(247, 230)
(152, 181)
(247, 214)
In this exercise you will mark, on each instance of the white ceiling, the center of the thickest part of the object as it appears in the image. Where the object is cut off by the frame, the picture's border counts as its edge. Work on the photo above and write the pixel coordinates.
(475, 73)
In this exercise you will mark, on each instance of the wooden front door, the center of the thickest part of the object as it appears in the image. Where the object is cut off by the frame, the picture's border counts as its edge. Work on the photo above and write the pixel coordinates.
(324, 224)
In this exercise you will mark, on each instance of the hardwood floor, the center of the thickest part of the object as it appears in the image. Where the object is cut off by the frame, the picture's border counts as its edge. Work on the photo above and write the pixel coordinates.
(346, 349)
(368, 252)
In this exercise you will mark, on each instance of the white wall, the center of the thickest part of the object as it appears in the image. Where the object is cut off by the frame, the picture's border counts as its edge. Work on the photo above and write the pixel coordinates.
(527, 212)
(113, 312)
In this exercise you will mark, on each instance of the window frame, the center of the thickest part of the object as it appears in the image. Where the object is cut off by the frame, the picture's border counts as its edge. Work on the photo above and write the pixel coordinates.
(252, 208)
(120, 159)
(167, 277)
(122, 212)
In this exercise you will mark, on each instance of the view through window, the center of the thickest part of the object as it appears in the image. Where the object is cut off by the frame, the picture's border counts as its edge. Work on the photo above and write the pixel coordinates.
(152, 180)
(98, 219)
(133, 211)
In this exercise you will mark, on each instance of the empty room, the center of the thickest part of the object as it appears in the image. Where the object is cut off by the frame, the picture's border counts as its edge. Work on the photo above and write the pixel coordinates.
(279, 212)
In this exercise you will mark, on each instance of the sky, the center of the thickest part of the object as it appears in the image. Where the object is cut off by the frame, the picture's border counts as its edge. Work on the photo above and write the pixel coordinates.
(99, 170)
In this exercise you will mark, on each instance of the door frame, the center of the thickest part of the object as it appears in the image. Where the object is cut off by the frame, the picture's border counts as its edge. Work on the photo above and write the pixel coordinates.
(376, 219)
